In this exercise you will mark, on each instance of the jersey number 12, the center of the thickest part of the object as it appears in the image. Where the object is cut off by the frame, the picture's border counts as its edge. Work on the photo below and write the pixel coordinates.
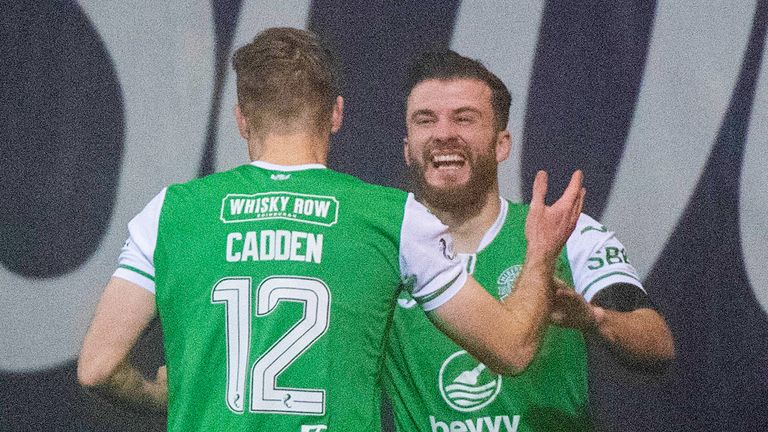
(235, 294)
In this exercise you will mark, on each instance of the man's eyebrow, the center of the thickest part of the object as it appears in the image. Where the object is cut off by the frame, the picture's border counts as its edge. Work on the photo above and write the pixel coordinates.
(422, 111)
(466, 109)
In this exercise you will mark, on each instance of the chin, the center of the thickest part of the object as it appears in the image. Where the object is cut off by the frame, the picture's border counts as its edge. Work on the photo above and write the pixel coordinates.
(447, 180)
(451, 198)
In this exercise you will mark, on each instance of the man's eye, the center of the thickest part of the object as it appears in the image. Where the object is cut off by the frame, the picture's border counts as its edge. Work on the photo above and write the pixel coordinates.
(424, 121)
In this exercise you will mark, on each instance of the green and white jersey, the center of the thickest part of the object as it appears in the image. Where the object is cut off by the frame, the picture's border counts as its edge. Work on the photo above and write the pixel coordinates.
(436, 386)
(275, 287)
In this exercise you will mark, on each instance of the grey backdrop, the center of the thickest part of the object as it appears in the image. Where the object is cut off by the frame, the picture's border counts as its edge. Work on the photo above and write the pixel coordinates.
(663, 104)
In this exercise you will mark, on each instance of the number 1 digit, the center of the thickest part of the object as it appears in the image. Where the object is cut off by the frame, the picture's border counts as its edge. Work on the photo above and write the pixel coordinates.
(235, 293)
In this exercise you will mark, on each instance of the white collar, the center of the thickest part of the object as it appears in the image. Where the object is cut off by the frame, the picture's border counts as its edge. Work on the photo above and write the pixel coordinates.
(288, 168)
(494, 229)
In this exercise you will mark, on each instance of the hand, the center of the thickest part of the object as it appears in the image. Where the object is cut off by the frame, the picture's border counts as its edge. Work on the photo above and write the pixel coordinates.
(571, 310)
(547, 228)
(159, 388)
(162, 376)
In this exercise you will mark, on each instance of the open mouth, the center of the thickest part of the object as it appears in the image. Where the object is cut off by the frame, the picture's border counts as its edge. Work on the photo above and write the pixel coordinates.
(448, 161)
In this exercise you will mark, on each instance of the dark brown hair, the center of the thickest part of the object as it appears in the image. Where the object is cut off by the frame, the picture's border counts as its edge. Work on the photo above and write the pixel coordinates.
(447, 65)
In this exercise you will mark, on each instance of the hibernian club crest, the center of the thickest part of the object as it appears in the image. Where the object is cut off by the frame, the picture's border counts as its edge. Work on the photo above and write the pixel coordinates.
(506, 280)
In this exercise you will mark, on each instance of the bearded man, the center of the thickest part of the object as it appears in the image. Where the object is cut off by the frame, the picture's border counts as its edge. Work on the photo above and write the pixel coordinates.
(456, 117)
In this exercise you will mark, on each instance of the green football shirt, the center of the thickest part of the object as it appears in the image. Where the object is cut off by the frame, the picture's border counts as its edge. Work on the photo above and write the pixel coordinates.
(436, 386)
(275, 287)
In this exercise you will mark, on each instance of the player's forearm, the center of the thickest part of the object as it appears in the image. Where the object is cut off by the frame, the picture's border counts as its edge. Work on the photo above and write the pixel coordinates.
(505, 335)
(640, 336)
(127, 387)
(530, 303)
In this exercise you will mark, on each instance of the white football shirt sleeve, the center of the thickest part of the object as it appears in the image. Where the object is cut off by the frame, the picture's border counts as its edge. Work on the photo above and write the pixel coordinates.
(597, 259)
(428, 263)
(136, 262)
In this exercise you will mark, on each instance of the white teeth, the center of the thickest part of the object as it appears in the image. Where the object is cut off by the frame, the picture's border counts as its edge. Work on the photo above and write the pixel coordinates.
(448, 158)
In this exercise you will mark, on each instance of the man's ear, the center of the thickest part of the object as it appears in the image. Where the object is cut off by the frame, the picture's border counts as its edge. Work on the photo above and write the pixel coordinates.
(338, 114)
(503, 145)
(242, 123)
(406, 155)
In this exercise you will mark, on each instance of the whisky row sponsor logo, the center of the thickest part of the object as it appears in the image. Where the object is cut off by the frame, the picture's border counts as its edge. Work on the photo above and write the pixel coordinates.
(311, 209)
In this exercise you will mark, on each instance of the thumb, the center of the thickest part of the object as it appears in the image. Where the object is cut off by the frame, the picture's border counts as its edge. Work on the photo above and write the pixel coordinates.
(162, 374)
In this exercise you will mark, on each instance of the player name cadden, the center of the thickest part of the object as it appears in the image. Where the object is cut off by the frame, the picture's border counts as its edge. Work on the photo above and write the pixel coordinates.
(304, 208)
(274, 245)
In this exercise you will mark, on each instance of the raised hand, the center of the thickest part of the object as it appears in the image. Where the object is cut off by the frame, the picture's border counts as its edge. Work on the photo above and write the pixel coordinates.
(547, 228)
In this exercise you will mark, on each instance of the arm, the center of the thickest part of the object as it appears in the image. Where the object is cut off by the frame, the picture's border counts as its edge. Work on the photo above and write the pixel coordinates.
(506, 335)
(124, 311)
(621, 317)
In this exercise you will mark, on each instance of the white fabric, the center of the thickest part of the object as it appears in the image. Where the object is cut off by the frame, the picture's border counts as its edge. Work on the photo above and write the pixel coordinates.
(139, 250)
(427, 259)
(587, 247)
(275, 167)
(493, 231)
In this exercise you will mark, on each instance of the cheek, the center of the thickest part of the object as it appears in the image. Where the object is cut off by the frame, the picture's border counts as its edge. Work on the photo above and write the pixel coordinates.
(482, 145)
(414, 150)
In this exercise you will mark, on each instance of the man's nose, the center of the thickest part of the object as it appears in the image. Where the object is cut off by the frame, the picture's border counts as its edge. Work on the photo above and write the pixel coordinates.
(445, 131)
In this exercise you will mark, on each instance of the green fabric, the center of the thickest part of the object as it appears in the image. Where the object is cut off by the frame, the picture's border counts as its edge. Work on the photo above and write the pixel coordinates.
(435, 386)
(358, 270)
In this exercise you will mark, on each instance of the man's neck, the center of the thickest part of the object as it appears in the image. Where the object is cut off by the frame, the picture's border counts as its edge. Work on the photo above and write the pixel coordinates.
(468, 228)
(296, 148)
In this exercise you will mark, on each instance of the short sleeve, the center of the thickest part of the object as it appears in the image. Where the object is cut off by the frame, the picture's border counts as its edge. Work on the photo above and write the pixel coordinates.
(136, 262)
(428, 263)
(597, 259)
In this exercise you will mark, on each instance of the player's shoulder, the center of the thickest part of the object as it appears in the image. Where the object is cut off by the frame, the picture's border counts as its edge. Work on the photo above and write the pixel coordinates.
(208, 183)
(369, 192)
(587, 225)
(216, 178)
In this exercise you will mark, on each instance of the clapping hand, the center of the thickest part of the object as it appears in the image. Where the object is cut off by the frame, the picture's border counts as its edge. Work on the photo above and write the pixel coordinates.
(571, 310)
(547, 228)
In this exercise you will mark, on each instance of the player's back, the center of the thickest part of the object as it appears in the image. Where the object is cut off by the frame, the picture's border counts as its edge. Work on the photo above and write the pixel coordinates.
(275, 289)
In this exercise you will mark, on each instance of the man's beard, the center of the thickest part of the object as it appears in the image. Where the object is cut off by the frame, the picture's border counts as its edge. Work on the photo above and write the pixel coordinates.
(464, 198)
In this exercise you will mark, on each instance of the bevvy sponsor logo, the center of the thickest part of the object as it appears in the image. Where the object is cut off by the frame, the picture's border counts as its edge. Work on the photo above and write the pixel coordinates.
(501, 423)
(467, 385)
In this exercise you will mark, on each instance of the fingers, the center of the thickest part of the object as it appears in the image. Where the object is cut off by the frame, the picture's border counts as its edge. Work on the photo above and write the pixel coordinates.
(577, 182)
(577, 208)
(573, 198)
(572, 192)
(539, 190)
(162, 374)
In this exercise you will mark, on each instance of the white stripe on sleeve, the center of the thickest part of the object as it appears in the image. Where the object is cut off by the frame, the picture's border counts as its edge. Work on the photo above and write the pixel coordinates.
(136, 262)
